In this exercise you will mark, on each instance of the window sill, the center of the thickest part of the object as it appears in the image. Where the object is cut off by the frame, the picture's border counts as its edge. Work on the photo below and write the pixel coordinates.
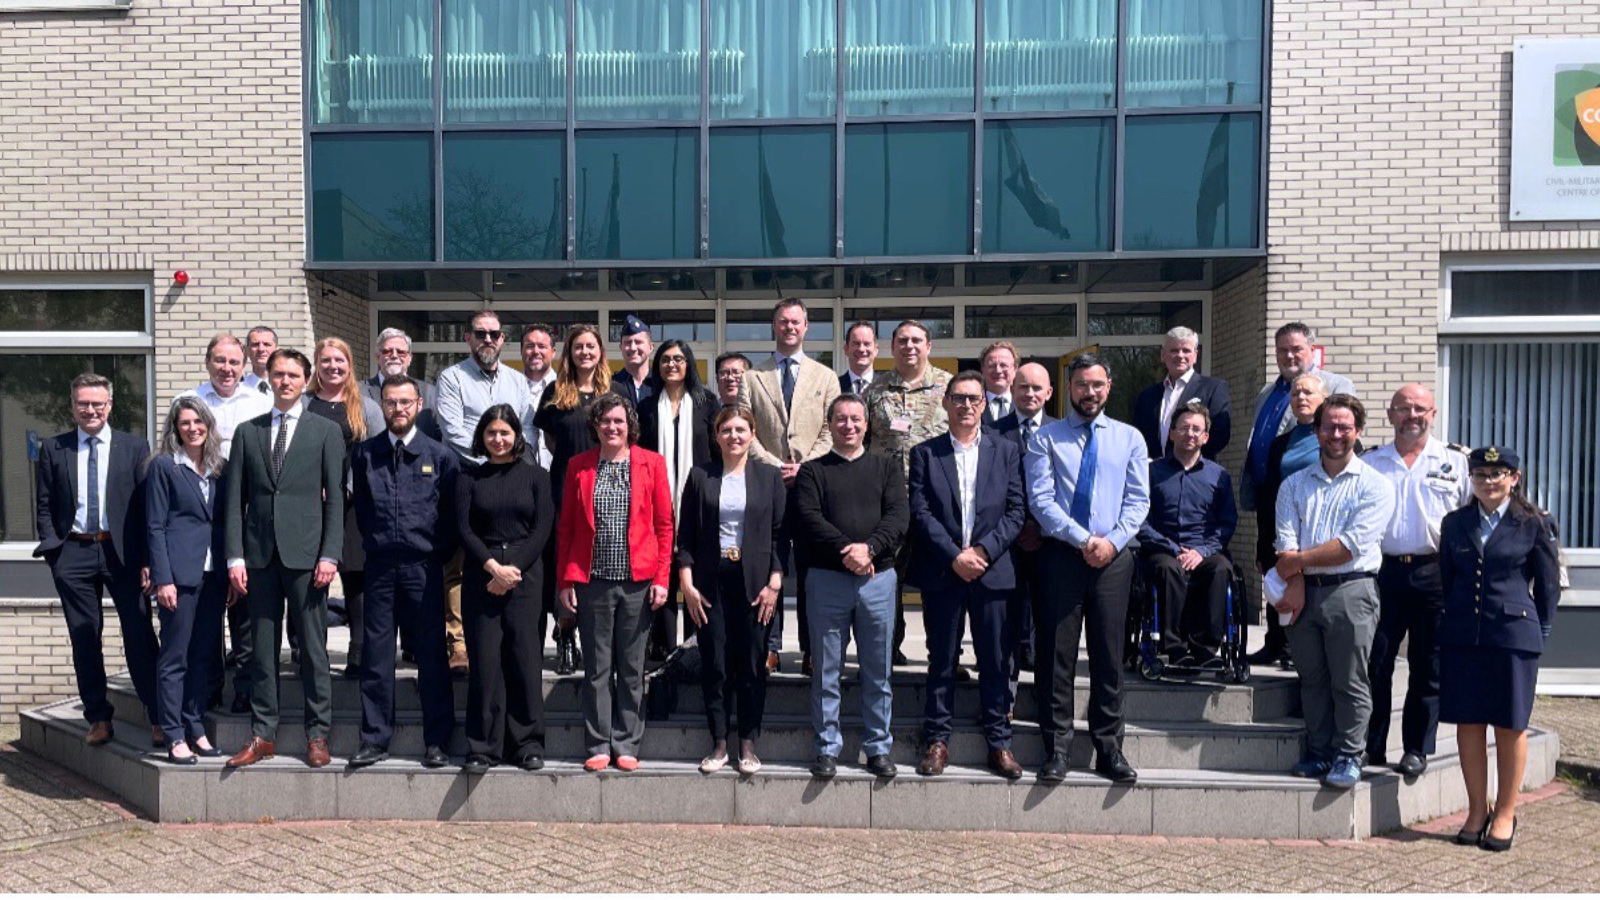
(10, 6)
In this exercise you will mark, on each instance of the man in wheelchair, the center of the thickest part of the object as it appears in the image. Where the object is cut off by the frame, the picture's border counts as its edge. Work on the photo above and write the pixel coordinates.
(1184, 542)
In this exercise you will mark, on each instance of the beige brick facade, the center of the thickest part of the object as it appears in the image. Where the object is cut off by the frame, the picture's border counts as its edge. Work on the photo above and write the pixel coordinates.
(36, 657)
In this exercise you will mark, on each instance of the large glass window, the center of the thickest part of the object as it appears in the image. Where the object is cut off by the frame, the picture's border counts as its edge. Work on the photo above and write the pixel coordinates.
(756, 325)
(1525, 292)
(908, 189)
(1050, 54)
(372, 61)
(1191, 182)
(371, 198)
(1047, 185)
(638, 59)
(1188, 53)
(772, 60)
(637, 194)
(52, 309)
(939, 320)
(505, 60)
(771, 192)
(504, 196)
(1024, 321)
(907, 57)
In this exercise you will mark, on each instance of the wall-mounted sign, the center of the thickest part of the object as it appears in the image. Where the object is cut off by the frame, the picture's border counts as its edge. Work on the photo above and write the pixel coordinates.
(1555, 130)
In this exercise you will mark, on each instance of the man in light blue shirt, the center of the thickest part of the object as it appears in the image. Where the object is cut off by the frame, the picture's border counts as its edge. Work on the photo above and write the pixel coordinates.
(1088, 486)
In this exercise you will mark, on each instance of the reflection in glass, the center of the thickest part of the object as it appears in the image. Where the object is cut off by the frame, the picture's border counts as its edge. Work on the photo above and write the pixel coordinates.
(1183, 53)
(772, 60)
(1049, 55)
(771, 192)
(638, 59)
(940, 320)
(908, 189)
(1143, 318)
(756, 325)
(637, 194)
(35, 406)
(59, 309)
(1030, 320)
(1132, 370)
(1191, 182)
(450, 326)
(909, 56)
(1525, 292)
(1047, 185)
(372, 61)
(503, 196)
(668, 325)
(774, 283)
(371, 198)
(505, 60)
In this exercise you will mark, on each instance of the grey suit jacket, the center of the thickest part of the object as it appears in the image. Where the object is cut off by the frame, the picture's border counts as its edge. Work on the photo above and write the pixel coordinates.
(299, 515)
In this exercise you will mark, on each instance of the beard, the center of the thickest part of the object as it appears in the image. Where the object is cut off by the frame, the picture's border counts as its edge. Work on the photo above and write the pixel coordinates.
(487, 355)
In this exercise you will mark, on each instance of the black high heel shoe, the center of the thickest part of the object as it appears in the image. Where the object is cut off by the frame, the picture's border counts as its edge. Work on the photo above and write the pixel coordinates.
(207, 752)
(1498, 845)
(181, 760)
(1475, 838)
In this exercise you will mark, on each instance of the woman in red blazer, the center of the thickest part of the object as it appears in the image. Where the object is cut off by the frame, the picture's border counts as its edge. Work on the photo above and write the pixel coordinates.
(613, 556)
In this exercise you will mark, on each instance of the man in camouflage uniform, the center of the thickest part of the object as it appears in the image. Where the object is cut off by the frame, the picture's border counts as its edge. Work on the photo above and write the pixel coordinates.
(905, 406)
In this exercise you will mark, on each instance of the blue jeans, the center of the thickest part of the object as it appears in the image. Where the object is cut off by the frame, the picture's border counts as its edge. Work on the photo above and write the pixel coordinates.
(839, 602)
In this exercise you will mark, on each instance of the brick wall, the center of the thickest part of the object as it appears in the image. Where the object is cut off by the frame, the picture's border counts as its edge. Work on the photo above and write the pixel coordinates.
(36, 656)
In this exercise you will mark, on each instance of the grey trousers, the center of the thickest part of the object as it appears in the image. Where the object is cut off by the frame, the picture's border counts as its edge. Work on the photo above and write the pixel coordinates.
(1331, 642)
(613, 625)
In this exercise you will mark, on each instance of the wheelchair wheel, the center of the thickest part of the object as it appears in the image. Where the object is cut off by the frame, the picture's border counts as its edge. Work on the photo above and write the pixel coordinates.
(1240, 673)
(1150, 668)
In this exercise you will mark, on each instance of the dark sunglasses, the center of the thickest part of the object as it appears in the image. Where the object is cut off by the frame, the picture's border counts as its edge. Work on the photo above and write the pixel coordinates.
(484, 334)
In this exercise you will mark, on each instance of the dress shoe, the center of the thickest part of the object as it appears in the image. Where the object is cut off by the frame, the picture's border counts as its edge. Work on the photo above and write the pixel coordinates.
(458, 665)
(1054, 770)
(1004, 764)
(187, 760)
(934, 759)
(963, 674)
(824, 766)
(533, 762)
(208, 751)
(713, 764)
(476, 764)
(1025, 659)
(1474, 837)
(158, 738)
(597, 763)
(1266, 655)
(240, 705)
(1412, 764)
(254, 752)
(99, 734)
(628, 763)
(1113, 765)
(882, 765)
(434, 757)
(749, 765)
(352, 671)
(368, 754)
(317, 753)
(900, 658)
(1498, 845)
(774, 664)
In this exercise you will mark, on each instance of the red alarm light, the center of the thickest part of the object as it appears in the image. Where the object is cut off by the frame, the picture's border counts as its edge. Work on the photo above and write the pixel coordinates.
(180, 278)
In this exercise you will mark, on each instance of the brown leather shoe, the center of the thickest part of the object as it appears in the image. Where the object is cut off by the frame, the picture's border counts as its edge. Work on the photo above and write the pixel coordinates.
(254, 752)
(934, 759)
(99, 734)
(158, 738)
(1004, 764)
(773, 663)
(317, 753)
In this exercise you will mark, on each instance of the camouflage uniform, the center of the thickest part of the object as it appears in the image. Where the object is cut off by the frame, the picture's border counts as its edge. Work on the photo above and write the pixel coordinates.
(888, 398)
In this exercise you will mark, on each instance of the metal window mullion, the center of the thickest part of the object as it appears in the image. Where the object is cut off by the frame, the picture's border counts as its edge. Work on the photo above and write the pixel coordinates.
(839, 74)
(978, 58)
(1263, 143)
(703, 191)
(438, 130)
(571, 175)
(1119, 150)
(307, 62)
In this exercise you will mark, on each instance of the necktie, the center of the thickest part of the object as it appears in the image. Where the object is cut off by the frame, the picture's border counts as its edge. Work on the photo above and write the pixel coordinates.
(788, 383)
(1002, 406)
(91, 523)
(1489, 522)
(280, 445)
(263, 387)
(1027, 433)
(1083, 493)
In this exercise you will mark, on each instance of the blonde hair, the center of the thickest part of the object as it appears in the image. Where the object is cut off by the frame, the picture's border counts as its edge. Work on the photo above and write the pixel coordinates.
(351, 395)
(567, 389)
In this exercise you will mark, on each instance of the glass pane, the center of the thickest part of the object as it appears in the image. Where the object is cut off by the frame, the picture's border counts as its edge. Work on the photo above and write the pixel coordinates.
(771, 192)
(1031, 320)
(772, 60)
(1022, 278)
(892, 281)
(1191, 182)
(372, 61)
(1142, 318)
(756, 325)
(1193, 54)
(637, 195)
(638, 59)
(504, 197)
(908, 190)
(662, 284)
(941, 320)
(371, 197)
(1047, 185)
(763, 282)
(1132, 370)
(35, 405)
(60, 309)
(1049, 54)
(909, 56)
(505, 60)
(1522, 292)
(449, 326)
(668, 325)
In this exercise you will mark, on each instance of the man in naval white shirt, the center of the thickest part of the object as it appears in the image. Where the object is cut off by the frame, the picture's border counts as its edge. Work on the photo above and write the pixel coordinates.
(224, 391)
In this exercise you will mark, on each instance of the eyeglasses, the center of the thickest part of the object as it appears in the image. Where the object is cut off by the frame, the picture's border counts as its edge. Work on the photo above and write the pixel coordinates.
(730, 374)
(965, 399)
(91, 406)
(398, 351)
(400, 404)
(486, 334)
(673, 361)
(1490, 476)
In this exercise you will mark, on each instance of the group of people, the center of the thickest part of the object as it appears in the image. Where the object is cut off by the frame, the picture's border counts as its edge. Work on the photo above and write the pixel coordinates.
(463, 517)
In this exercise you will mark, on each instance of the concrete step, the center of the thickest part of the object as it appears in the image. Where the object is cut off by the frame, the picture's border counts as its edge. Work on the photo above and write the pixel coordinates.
(1166, 801)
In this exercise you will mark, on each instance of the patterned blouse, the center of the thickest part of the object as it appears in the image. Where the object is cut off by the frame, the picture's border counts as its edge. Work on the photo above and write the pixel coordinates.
(612, 500)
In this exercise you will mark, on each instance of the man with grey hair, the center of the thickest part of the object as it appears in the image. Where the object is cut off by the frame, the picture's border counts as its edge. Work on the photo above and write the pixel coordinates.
(1155, 406)
(391, 356)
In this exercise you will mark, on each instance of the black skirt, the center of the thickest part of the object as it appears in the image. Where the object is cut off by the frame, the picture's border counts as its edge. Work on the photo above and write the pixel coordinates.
(1486, 686)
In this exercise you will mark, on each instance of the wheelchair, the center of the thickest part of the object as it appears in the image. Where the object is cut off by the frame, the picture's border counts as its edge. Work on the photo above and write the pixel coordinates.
(1144, 634)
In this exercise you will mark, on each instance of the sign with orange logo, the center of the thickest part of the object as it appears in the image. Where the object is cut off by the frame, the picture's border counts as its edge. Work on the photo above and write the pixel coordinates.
(1555, 130)
(1588, 111)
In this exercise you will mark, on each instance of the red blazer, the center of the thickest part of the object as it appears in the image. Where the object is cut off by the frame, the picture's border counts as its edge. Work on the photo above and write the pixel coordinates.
(649, 519)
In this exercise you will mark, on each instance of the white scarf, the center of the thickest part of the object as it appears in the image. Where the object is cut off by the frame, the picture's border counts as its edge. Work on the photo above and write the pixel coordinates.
(684, 442)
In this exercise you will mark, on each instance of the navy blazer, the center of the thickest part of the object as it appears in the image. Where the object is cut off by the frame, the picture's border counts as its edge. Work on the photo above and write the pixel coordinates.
(765, 548)
(936, 511)
(56, 494)
(405, 508)
(1213, 392)
(183, 524)
(1504, 597)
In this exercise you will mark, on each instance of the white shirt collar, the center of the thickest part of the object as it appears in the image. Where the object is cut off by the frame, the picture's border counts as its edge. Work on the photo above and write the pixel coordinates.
(1500, 512)
(292, 412)
(860, 452)
(408, 437)
(549, 377)
(104, 437)
(798, 357)
(182, 459)
(1037, 418)
(1182, 381)
(977, 439)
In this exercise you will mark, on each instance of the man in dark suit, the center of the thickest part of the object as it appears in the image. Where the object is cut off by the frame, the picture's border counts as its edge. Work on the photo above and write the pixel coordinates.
(1154, 407)
(391, 358)
(999, 363)
(967, 507)
(91, 532)
(860, 350)
(1030, 391)
(284, 532)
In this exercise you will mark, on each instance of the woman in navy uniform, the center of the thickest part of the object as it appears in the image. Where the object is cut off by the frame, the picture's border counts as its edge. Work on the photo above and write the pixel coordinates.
(1501, 583)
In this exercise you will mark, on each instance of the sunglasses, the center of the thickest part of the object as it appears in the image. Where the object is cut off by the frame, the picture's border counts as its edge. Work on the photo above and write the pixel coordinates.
(485, 334)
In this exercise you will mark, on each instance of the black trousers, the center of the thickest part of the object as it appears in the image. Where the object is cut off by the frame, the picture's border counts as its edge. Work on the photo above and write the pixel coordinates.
(410, 596)
(1019, 612)
(733, 658)
(1078, 599)
(83, 571)
(801, 561)
(1194, 605)
(505, 687)
(355, 609)
(189, 636)
(945, 612)
(1410, 605)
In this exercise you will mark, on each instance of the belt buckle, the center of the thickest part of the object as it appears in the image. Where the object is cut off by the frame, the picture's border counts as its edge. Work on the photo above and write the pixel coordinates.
(731, 554)
(1407, 558)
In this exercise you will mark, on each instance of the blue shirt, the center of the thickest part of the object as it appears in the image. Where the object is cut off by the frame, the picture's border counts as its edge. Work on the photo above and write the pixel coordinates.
(1121, 487)
(1190, 508)
(1353, 507)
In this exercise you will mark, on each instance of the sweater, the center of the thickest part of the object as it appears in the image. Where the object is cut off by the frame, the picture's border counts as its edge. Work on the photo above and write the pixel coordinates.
(839, 502)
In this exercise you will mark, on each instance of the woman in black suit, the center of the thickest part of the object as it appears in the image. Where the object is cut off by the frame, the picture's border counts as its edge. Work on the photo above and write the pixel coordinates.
(184, 523)
(733, 550)
(1498, 560)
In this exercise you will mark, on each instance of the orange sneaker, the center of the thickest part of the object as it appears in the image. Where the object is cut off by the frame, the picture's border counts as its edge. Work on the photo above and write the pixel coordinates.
(596, 763)
(628, 763)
